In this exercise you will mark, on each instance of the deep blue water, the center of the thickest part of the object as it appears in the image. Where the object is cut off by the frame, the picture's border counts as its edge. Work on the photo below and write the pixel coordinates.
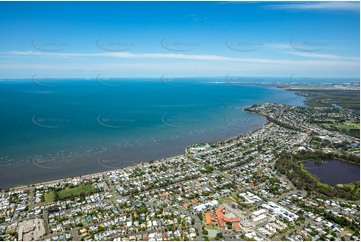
(72, 127)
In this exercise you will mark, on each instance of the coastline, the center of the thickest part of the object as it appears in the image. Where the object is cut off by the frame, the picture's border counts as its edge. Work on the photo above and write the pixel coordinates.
(142, 162)
(90, 174)
(86, 165)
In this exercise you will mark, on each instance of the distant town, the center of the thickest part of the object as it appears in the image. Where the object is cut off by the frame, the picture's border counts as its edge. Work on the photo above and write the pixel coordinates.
(231, 190)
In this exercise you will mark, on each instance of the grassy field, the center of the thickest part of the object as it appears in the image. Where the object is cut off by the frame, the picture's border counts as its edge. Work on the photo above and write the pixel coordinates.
(212, 233)
(226, 175)
(344, 126)
(49, 197)
(347, 125)
(75, 191)
(227, 200)
(354, 125)
(351, 186)
(68, 192)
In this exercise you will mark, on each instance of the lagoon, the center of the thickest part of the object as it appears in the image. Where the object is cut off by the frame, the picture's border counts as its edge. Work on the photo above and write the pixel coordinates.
(333, 172)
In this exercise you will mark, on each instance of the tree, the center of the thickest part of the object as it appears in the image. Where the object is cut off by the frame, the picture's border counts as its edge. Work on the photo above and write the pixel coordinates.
(208, 168)
(200, 216)
(219, 236)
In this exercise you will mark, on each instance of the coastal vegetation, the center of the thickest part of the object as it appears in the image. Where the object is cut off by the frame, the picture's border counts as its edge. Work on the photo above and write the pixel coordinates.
(349, 99)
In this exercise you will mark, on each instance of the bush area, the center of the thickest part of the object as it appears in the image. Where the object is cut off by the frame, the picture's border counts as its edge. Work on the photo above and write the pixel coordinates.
(349, 99)
(319, 155)
(302, 179)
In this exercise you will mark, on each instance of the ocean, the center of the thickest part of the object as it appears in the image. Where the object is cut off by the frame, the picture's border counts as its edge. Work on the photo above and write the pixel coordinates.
(64, 128)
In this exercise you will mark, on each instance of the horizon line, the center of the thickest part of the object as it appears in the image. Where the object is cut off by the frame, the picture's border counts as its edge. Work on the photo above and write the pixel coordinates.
(170, 76)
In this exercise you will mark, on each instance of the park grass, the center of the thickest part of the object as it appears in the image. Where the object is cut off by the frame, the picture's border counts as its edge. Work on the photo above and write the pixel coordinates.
(49, 197)
(211, 227)
(355, 125)
(326, 120)
(227, 200)
(212, 233)
(347, 127)
(75, 191)
(226, 175)
(342, 126)
(347, 124)
(351, 186)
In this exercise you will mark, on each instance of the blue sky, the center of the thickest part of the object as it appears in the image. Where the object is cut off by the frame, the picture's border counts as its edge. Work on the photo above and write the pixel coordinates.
(145, 39)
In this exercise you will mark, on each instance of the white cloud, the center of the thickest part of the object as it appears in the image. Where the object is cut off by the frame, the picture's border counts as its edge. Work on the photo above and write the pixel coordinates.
(176, 56)
(342, 5)
(323, 56)
(129, 55)
(154, 64)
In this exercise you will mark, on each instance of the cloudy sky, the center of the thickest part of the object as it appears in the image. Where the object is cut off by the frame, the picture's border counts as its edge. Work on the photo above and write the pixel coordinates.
(84, 40)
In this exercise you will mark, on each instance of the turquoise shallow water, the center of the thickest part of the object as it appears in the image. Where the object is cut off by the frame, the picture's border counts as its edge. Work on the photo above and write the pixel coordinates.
(65, 128)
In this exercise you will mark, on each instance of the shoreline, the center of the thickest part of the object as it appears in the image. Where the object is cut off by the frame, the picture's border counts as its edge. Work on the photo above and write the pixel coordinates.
(137, 163)
(90, 174)
(184, 154)
(86, 159)
(25, 175)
